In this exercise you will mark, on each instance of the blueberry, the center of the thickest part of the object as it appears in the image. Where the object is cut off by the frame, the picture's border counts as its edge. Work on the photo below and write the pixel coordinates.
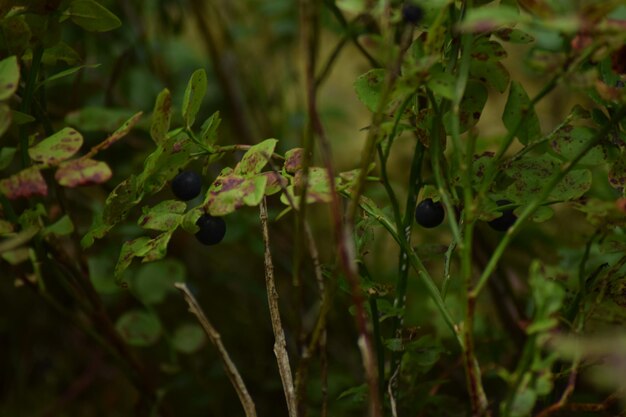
(429, 214)
(412, 13)
(187, 185)
(506, 220)
(212, 229)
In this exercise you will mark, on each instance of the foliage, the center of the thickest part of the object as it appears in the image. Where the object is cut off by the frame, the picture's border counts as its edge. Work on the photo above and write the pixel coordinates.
(396, 319)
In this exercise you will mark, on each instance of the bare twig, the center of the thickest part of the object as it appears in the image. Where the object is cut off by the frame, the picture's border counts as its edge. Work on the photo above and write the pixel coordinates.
(216, 339)
(280, 345)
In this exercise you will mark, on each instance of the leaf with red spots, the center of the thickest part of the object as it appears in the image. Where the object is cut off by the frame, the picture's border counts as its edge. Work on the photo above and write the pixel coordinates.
(165, 162)
(471, 106)
(166, 215)
(117, 135)
(531, 174)
(82, 171)
(230, 191)
(161, 116)
(318, 190)
(492, 73)
(256, 158)
(569, 140)
(57, 148)
(142, 247)
(9, 77)
(617, 173)
(26, 183)
(293, 160)
(484, 49)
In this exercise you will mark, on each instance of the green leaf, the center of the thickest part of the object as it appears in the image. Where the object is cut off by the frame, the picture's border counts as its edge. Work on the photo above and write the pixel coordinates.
(484, 50)
(142, 247)
(442, 83)
(255, 158)
(194, 93)
(65, 73)
(6, 117)
(523, 403)
(492, 73)
(89, 119)
(6, 156)
(161, 116)
(165, 162)
(514, 36)
(20, 118)
(26, 183)
(489, 18)
(139, 328)
(61, 52)
(208, 135)
(167, 215)
(82, 171)
(355, 395)
(57, 148)
(569, 140)
(92, 16)
(531, 174)
(471, 106)
(17, 33)
(154, 280)
(61, 227)
(518, 114)
(9, 77)
(188, 338)
(6, 227)
(369, 86)
(119, 202)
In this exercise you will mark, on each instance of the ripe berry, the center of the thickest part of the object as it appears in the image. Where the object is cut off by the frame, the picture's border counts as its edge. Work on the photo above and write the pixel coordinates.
(187, 185)
(506, 220)
(412, 13)
(429, 214)
(212, 229)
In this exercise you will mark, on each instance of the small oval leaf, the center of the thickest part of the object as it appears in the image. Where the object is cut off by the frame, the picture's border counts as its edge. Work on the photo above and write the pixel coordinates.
(82, 172)
(58, 147)
(139, 328)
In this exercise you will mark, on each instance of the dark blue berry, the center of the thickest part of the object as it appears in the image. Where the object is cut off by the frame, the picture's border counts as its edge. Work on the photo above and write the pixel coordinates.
(412, 13)
(212, 229)
(187, 185)
(506, 220)
(429, 214)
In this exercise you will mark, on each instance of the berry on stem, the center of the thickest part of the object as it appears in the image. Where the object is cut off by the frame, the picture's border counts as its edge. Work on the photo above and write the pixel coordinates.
(429, 214)
(506, 220)
(187, 185)
(212, 229)
(412, 13)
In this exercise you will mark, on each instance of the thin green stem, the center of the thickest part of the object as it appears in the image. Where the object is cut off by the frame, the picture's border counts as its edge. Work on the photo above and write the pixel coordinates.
(27, 100)
(542, 196)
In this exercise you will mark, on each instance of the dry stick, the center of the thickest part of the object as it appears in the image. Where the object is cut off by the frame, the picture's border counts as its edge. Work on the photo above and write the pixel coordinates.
(280, 346)
(216, 339)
